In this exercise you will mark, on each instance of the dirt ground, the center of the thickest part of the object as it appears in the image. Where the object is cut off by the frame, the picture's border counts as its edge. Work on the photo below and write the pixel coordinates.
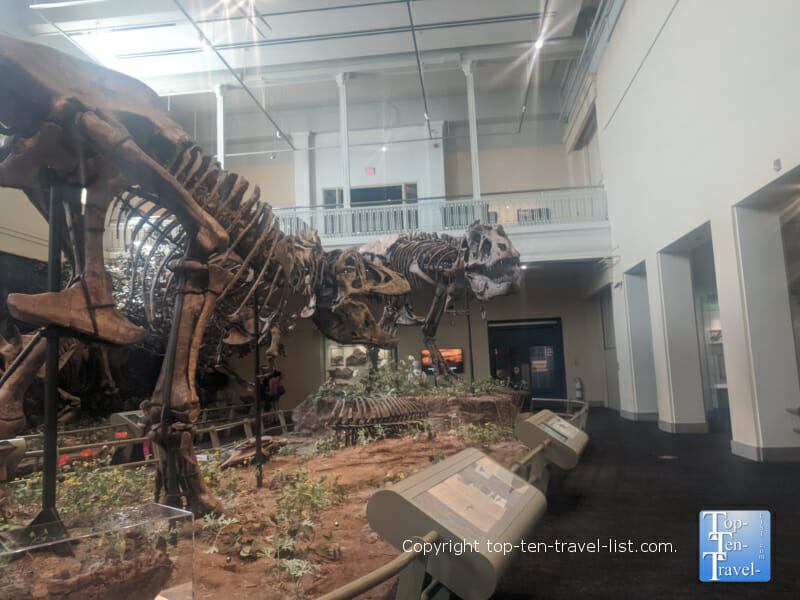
(344, 545)
(362, 550)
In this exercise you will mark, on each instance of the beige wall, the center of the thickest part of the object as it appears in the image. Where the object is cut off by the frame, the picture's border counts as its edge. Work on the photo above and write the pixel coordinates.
(276, 182)
(539, 299)
(581, 327)
(512, 169)
(23, 231)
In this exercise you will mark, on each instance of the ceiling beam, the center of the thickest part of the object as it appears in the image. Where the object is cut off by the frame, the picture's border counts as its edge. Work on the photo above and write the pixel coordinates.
(394, 64)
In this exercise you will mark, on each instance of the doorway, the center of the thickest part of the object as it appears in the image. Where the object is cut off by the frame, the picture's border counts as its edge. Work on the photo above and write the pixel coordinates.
(530, 354)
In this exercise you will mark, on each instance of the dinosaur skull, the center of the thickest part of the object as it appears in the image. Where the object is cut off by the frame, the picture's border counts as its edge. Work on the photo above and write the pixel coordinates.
(491, 263)
(342, 314)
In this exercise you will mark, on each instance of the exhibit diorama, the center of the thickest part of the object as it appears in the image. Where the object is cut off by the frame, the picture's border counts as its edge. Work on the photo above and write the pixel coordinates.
(399, 299)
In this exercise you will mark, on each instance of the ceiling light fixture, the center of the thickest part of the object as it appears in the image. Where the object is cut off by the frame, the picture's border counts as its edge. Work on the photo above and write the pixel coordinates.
(539, 43)
(384, 148)
(63, 4)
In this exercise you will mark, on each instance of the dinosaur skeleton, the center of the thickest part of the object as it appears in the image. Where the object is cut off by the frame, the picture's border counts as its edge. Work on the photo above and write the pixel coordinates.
(208, 260)
(67, 123)
(483, 263)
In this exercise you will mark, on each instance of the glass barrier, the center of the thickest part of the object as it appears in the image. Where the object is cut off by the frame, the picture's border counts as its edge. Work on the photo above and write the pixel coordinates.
(141, 552)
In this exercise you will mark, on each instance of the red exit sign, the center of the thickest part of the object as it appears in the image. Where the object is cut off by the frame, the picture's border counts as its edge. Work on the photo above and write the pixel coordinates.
(370, 170)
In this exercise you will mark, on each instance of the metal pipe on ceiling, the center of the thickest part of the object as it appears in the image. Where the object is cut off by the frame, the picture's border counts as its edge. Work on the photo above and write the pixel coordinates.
(440, 138)
(251, 17)
(419, 70)
(400, 29)
(238, 77)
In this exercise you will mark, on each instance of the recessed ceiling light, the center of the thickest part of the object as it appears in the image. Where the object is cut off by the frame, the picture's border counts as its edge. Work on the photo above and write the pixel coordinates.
(539, 43)
(524, 267)
(384, 148)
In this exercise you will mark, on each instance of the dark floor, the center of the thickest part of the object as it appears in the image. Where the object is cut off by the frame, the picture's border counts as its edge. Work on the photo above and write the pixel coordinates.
(622, 489)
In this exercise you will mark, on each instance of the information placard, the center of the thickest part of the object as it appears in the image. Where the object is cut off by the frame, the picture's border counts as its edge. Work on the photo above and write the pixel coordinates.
(565, 441)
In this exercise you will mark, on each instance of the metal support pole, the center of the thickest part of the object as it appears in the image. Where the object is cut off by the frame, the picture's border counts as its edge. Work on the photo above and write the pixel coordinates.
(257, 382)
(51, 381)
(219, 91)
(47, 526)
(473, 129)
(344, 138)
(469, 343)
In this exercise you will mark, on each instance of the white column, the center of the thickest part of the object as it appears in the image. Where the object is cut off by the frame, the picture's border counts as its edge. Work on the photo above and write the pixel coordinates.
(770, 335)
(344, 140)
(302, 169)
(680, 389)
(473, 129)
(645, 405)
(219, 90)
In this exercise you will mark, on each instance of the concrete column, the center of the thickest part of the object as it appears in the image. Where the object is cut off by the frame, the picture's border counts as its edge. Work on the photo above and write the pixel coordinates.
(624, 370)
(473, 129)
(640, 343)
(219, 91)
(770, 349)
(344, 139)
(302, 169)
(678, 378)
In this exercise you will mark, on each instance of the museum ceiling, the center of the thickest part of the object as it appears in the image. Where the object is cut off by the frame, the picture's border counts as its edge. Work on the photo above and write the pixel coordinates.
(289, 52)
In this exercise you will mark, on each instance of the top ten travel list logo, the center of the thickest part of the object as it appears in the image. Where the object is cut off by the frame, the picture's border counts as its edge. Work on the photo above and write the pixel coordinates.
(734, 545)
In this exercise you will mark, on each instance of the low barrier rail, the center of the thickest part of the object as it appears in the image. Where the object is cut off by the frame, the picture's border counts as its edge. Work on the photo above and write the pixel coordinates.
(211, 428)
(533, 467)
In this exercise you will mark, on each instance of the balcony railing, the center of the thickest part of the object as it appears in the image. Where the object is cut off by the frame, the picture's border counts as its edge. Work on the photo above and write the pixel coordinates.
(530, 208)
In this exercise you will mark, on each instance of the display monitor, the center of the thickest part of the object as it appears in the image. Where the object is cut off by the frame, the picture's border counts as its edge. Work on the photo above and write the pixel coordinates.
(454, 357)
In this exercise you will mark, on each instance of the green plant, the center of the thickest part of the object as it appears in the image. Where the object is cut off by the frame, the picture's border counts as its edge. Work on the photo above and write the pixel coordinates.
(287, 451)
(436, 457)
(93, 486)
(326, 446)
(296, 568)
(487, 434)
(363, 437)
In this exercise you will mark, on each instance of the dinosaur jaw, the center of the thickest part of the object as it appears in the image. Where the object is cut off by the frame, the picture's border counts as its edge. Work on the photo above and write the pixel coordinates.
(500, 278)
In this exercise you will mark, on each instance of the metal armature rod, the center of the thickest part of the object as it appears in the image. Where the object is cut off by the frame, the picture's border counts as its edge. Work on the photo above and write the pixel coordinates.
(379, 575)
(257, 382)
(21, 356)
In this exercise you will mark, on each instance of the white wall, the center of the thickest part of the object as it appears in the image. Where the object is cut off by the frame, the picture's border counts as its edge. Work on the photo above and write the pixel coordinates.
(695, 100)
(642, 405)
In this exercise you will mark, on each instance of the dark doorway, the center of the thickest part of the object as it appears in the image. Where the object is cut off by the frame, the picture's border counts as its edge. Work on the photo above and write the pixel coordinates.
(530, 354)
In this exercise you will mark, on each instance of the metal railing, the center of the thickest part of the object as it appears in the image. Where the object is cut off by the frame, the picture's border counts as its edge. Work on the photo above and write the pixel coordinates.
(511, 209)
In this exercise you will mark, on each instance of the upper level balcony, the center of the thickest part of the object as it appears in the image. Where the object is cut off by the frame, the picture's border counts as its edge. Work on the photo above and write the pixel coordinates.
(554, 224)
